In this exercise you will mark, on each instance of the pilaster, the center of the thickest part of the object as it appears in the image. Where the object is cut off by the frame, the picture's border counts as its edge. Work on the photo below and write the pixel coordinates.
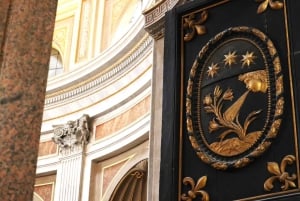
(69, 175)
(154, 25)
(71, 139)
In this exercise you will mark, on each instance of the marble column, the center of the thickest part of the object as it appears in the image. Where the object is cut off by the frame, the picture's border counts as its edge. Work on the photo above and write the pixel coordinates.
(26, 28)
(71, 139)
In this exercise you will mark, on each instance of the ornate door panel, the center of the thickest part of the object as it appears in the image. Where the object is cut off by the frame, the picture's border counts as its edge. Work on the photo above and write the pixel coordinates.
(230, 120)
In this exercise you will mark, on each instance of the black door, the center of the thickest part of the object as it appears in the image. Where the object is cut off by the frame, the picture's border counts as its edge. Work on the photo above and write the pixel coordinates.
(231, 101)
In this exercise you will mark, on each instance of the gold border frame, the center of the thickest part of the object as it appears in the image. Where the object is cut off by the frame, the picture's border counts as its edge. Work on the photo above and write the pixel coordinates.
(291, 88)
(291, 96)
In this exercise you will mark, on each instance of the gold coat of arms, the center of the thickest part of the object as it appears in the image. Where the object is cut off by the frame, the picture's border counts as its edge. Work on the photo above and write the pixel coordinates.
(234, 98)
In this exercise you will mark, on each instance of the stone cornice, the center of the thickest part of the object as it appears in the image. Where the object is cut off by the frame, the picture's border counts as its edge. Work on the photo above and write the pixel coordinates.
(101, 61)
(101, 77)
(154, 17)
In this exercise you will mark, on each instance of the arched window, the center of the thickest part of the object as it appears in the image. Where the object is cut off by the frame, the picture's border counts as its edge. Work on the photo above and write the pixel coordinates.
(133, 185)
(55, 64)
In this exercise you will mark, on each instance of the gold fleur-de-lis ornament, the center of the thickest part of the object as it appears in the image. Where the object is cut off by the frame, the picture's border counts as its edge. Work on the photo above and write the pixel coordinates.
(280, 174)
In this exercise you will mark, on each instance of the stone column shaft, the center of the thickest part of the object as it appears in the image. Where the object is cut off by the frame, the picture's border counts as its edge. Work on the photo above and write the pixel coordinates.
(26, 28)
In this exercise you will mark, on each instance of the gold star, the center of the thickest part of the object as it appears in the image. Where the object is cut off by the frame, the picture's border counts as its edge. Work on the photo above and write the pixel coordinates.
(248, 58)
(212, 70)
(230, 58)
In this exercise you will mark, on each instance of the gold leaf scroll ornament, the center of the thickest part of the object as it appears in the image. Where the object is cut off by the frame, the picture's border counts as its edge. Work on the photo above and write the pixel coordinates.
(196, 189)
(192, 25)
(280, 174)
(265, 3)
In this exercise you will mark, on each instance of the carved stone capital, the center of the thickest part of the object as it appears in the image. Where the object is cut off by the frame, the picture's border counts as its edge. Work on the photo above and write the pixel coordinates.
(73, 135)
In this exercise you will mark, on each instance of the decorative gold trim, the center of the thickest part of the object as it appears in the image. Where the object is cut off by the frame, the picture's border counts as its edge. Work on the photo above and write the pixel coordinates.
(192, 25)
(195, 189)
(275, 5)
(291, 89)
(280, 174)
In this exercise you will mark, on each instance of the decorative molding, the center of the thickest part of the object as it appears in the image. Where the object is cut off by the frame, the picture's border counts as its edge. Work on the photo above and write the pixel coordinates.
(280, 174)
(154, 17)
(47, 164)
(99, 79)
(158, 30)
(73, 135)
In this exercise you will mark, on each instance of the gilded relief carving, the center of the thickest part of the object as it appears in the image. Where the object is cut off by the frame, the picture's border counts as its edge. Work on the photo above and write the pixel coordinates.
(230, 58)
(193, 24)
(229, 120)
(280, 174)
(234, 98)
(265, 3)
(195, 191)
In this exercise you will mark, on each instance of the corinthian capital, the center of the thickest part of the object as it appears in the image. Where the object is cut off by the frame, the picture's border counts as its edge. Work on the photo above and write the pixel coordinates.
(72, 135)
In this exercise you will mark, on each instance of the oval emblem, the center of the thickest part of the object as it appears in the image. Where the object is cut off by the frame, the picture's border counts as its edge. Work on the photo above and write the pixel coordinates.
(234, 99)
